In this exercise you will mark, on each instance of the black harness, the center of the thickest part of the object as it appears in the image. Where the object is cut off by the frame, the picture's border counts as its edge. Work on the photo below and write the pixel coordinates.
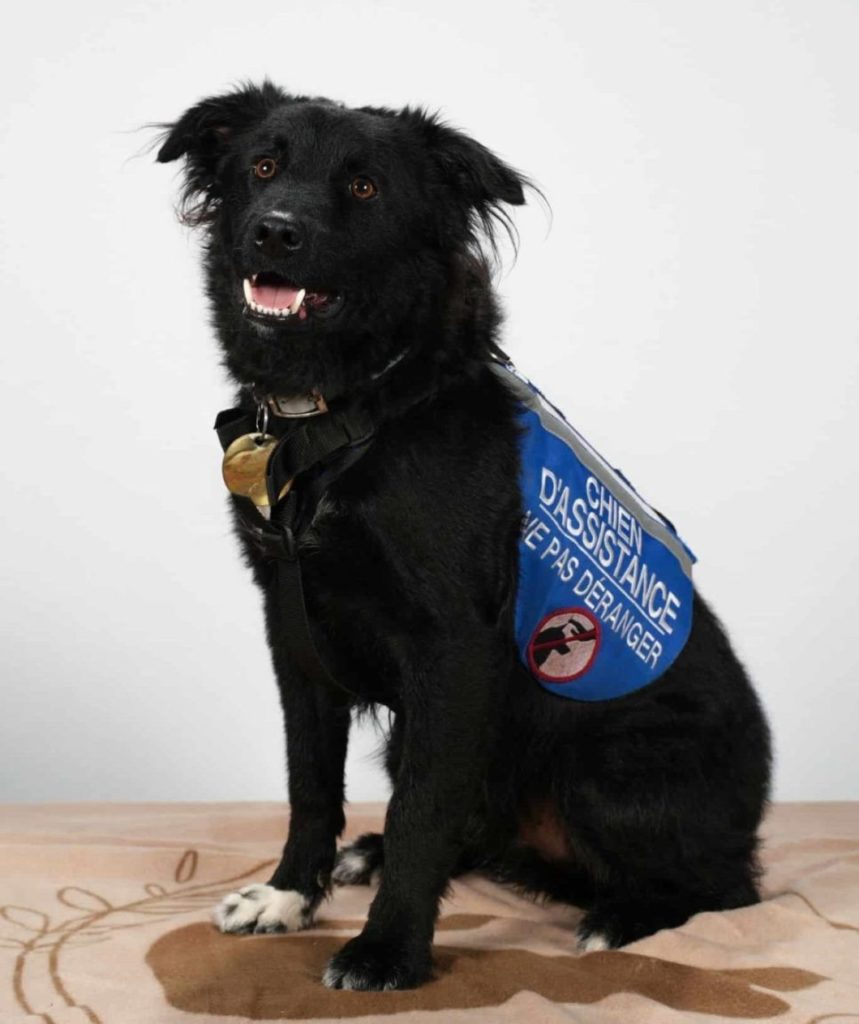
(307, 456)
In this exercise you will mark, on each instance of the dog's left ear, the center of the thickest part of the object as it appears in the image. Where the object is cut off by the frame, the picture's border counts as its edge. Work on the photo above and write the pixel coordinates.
(474, 173)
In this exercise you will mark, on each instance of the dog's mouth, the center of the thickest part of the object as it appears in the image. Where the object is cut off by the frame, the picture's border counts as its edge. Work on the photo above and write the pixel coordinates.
(272, 297)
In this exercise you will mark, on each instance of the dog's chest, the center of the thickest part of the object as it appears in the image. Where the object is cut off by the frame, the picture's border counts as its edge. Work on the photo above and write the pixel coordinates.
(322, 523)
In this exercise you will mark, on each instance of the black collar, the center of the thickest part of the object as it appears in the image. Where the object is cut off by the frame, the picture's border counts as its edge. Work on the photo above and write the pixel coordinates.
(311, 403)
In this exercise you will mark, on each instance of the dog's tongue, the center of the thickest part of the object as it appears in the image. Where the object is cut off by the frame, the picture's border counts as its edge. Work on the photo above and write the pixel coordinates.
(274, 296)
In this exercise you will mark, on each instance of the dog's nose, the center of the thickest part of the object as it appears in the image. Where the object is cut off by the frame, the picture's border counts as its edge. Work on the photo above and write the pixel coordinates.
(277, 234)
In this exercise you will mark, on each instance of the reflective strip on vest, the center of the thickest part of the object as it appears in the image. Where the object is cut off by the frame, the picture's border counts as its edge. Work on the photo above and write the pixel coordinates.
(604, 600)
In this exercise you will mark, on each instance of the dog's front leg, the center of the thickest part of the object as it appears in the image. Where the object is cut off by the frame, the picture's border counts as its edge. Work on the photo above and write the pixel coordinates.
(445, 709)
(317, 732)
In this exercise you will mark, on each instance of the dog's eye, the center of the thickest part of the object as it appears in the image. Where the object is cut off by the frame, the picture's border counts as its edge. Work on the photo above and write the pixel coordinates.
(363, 188)
(265, 168)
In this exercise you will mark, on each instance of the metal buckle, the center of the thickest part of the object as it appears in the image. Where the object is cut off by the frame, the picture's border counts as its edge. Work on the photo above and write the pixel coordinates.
(297, 406)
(262, 418)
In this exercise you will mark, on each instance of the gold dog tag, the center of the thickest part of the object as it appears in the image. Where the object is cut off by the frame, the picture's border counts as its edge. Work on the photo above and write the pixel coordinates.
(245, 464)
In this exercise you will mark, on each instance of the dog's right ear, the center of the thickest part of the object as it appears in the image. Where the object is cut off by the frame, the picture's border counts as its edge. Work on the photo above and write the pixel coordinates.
(203, 133)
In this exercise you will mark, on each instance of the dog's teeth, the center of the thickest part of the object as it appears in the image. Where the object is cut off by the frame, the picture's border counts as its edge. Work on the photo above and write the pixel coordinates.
(265, 310)
(296, 305)
(254, 279)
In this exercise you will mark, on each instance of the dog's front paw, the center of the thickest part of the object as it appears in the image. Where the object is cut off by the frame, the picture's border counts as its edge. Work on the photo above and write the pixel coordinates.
(369, 964)
(262, 908)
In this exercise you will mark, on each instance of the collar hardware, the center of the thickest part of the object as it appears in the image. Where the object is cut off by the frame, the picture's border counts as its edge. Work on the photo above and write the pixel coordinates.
(297, 406)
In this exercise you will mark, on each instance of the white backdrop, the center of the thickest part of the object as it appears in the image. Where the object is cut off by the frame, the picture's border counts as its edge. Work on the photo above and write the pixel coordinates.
(693, 309)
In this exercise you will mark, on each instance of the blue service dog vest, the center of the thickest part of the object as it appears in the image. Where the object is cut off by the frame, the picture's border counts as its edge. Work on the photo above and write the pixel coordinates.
(604, 600)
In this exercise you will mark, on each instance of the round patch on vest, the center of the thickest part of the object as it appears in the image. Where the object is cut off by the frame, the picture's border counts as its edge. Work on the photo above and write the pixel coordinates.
(564, 645)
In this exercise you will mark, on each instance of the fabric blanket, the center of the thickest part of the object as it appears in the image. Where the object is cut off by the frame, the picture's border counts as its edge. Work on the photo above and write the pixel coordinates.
(104, 918)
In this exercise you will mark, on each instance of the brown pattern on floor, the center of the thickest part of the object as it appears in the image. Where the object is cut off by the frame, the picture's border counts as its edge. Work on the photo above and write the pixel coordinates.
(843, 926)
(94, 919)
(199, 970)
(448, 923)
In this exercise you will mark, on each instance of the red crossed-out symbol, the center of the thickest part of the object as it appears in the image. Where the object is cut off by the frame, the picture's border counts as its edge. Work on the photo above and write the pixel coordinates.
(564, 645)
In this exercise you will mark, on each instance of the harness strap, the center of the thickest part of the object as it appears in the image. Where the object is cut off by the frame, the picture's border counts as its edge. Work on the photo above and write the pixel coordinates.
(313, 453)
(312, 443)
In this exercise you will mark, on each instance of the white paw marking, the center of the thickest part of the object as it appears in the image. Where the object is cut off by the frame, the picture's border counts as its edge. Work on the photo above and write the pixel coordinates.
(262, 908)
(594, 943)
(330, 977)
(350, 981)
(351, 867)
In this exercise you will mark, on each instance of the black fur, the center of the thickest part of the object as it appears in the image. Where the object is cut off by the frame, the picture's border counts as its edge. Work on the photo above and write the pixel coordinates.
(644, 810)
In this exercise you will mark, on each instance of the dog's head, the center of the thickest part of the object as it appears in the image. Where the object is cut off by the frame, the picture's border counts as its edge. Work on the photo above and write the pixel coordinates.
(338, 238)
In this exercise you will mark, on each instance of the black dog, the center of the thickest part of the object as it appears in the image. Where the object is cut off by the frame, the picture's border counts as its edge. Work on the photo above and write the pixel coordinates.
(345, 270)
